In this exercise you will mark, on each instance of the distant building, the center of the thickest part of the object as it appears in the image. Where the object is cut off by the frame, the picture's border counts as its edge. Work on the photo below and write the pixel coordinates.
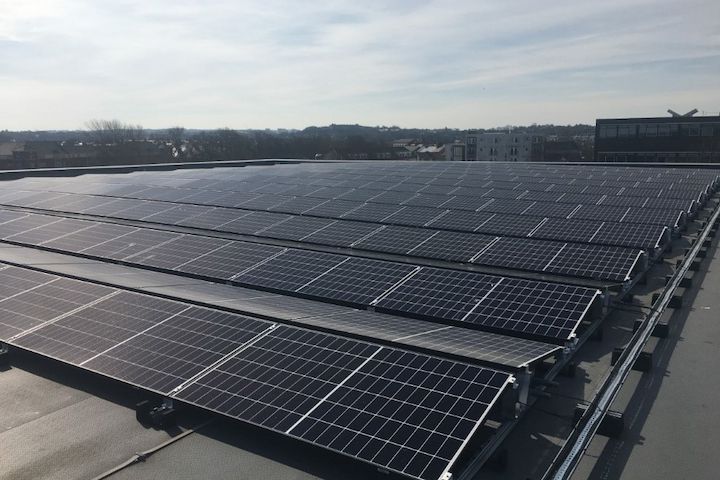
(563, 150)
(44, 154)
(455, 152)
(431, 152)
(504, 147)
(678, 138)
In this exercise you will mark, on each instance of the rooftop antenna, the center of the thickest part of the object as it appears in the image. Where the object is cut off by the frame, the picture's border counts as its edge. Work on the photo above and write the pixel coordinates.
(677, 115)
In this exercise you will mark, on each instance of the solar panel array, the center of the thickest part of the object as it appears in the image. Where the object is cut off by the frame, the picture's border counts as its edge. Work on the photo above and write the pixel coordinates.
(426, 242)
(381, 339)
(404, 411)
(326, 276)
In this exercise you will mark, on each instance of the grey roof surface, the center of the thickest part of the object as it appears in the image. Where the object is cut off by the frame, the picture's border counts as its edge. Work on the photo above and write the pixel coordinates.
(62, 426)
(673, 426)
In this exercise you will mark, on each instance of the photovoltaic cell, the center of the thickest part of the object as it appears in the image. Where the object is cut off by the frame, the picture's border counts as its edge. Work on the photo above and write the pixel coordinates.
(543, 309)
(371, 212)
(408, 412)
(333, 208)
(95, 328)
(452, 246)
(438, 293)
(414, 216)
(50, 298)
(279, 378)
(295, 228)
(520, 253)
(230, 260)
(177, 348)
(251, 223)
(394, 239)
(594, 261)
(89, 237)
(461, 220)
(179, 251)
(341, 233)
(358, 280)
(290, 270)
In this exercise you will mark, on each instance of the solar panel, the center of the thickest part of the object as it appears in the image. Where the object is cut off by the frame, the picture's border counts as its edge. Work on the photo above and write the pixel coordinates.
(290, 270)
(214, 219)
(179, 251)
(520, 253)
(341, 233)
(15, 280)
(438, 293)
(461, 220)
(23, 224)
(512, 225)
(427, 200)
(142, 209)
(277, 379)
(594, 261)
(463, 342)
(50, 298)
(251, 223)
(452, 246)
(205, 196)
(234, 199)
(178, 214)
(9, 215)
(333, 208)
(394, 239)
(507, 206)
(371, 212)
(631, 235)
(355, 398)
(669, 218)
(357, 280)
(45, 233)
(86, 238)
(329, 192)
(600, 212)
(541, 196)
(568, 229)
(358, 195)
(549, 209)
(263, 202)
(133, 243)
(392, 197)
(176, 348)
(298, 205)
(464, 203)
(414, 216)
(295, 228)
(405, 411)
(550, 310)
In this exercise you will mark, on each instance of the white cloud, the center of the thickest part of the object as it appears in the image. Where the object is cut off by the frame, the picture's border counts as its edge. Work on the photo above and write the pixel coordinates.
(282, 63)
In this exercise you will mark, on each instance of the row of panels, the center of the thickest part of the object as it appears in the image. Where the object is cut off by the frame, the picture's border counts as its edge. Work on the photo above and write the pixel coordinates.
(338, 202)
(657, 183)
(573, 259)
(404, 411)
(413, 176)
(518, 307)
(363, 221)
(661, 211)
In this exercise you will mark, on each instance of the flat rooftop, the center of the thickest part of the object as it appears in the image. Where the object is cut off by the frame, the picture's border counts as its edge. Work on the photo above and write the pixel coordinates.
(342, 320)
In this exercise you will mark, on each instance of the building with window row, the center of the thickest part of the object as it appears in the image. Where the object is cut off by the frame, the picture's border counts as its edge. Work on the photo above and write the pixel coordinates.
(660, 139)
(504, 147)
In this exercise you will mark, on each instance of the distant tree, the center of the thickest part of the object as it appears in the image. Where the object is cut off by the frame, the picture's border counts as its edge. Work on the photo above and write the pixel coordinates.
(112, 132)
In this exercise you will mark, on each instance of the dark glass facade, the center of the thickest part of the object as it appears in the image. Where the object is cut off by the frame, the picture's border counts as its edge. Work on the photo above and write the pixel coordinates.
(662, 139)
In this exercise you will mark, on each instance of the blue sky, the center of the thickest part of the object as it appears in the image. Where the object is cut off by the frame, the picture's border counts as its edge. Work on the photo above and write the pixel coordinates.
(291, 64)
